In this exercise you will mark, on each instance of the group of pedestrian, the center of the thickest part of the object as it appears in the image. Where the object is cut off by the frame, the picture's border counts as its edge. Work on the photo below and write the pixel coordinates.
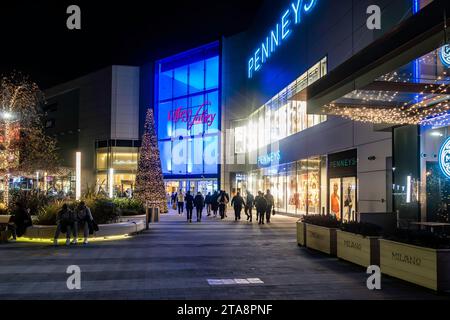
(69, 221)
(217, 202)
(264, 204)
(214, 203)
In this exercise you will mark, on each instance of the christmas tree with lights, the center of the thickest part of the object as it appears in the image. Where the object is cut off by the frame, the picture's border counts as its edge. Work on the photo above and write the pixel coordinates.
(150, 187)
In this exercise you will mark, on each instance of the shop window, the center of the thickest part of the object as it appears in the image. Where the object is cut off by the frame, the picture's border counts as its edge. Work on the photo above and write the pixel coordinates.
(240, 136)
(212, 73)
(196, 77)
(102, 160)
(180, 82)
(165, 85)
(165, 149)
(165, 118)
(212, 107)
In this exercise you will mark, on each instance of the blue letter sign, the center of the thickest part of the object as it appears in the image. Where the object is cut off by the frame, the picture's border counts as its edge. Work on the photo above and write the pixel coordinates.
(278, 34)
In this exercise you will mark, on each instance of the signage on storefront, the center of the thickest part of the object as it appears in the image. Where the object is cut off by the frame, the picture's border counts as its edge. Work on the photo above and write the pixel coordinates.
(444, 55)
(444, 158)
(201, 115)
(343, 164)
(269, 159)
(279, 34)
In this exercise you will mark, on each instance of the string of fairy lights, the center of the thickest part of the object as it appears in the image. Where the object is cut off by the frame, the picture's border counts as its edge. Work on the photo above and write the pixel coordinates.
(429, 107)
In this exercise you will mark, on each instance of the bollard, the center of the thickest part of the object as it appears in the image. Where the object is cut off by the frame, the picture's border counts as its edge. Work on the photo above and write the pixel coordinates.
(147, 221)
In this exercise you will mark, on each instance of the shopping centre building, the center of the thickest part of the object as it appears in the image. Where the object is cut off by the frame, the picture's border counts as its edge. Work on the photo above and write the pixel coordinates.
(309, 102)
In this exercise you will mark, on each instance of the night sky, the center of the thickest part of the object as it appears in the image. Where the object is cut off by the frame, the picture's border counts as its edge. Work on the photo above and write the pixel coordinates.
(36, 41)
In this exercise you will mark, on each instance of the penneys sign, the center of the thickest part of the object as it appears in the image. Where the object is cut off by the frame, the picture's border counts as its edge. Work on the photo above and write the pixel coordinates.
(201, 115)
(276, 37)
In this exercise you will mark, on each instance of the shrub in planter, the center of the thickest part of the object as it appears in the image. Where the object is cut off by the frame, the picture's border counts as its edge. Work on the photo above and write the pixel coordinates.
(326, 221)
(129, 207)
(47, 214)
(103, 210)
(420, 238)
(362, 228)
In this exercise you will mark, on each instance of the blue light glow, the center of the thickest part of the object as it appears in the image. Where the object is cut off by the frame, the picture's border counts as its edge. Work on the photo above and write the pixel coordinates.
(444, 158)
(278, 34)
(444, 55)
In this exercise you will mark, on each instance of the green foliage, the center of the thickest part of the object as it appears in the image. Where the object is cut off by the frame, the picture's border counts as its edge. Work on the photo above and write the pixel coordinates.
(33, 200)
(364, 229)
(129, 207)
(421, 238)
(103, 210)
(47, 215)
(326, 221)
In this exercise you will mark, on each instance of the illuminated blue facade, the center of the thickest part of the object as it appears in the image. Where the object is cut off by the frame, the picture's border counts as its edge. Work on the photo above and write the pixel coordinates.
(187, 107)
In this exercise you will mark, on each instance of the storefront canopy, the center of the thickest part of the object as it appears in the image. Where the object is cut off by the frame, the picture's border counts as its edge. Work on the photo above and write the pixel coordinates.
(398, 79)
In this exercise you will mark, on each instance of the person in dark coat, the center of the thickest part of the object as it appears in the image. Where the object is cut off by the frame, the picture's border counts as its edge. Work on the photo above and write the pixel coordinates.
(270, 204)
(65, 223)
(215, 203)
(223, 200)
(237, 203)
(208, 203)
(249, 206)
(261, 207)
(199, 203)
(189, 201)
(22, 220)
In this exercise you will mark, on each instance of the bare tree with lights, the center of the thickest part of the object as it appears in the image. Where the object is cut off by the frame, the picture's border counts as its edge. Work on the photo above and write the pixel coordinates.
(24, 147)
(150, 187)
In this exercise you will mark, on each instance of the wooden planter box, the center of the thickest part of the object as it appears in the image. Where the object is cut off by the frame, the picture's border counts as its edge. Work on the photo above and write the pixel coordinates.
(429, 268)
(364, 251)
(301, 233)
(321, 239)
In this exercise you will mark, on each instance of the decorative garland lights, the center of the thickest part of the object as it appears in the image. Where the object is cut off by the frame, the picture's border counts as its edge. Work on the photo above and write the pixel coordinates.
(430, 107)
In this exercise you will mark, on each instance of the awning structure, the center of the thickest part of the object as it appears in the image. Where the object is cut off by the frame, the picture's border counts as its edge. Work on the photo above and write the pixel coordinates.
(401, 78)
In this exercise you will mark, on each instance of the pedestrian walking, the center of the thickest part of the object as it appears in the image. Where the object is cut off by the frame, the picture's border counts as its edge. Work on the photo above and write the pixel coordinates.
(65, 223)
(215, 203)
(261, 207)
(199, 203)
(223, 200)
(270, 203)
(180, 201)
(189, 200)
(237, 203)
(249, 203)
(208, 203)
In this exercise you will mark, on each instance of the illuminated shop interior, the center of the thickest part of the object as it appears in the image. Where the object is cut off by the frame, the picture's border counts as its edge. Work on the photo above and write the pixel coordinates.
(405, 92)
(187, 104)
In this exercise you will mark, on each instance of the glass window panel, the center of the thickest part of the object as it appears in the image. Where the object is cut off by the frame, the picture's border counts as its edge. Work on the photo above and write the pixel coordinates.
(212, 73)
(165, 150)
(165, 85)
(212, 104)
(179, 156)
(180, 82)
(240, 139)
(165, 117)
(102, 159)
(198, 110)
(197, 156)
(261, 132)
(302, 182)
(197, 77)
(314, 190)
(211, 154)
(181, 117)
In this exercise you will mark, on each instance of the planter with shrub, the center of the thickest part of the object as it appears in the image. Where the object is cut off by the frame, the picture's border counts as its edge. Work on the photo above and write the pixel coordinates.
(321, 233)
(358, 243)
(301, 233)
(419, 257)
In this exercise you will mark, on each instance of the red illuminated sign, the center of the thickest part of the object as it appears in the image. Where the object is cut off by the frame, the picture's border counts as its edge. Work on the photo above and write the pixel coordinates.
(201, 115)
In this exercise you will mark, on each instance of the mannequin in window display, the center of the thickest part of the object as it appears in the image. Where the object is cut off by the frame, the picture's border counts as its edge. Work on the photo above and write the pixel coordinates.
(348, 203)
(335, 202)
(297, 200)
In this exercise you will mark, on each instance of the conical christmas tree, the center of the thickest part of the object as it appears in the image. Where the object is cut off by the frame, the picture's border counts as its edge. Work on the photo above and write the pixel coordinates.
(150, 187)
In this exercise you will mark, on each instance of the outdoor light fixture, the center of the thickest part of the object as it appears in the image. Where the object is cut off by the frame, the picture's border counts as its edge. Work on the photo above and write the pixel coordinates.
(7, 115)
(78, 176)
(111, 182)
(408, 189)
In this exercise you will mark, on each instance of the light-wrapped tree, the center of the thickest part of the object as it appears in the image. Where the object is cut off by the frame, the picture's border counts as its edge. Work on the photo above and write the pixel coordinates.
(24, 146)
(150, 187)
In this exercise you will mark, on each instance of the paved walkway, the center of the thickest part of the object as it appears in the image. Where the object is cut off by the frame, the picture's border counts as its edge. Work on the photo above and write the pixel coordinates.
(174, 260)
